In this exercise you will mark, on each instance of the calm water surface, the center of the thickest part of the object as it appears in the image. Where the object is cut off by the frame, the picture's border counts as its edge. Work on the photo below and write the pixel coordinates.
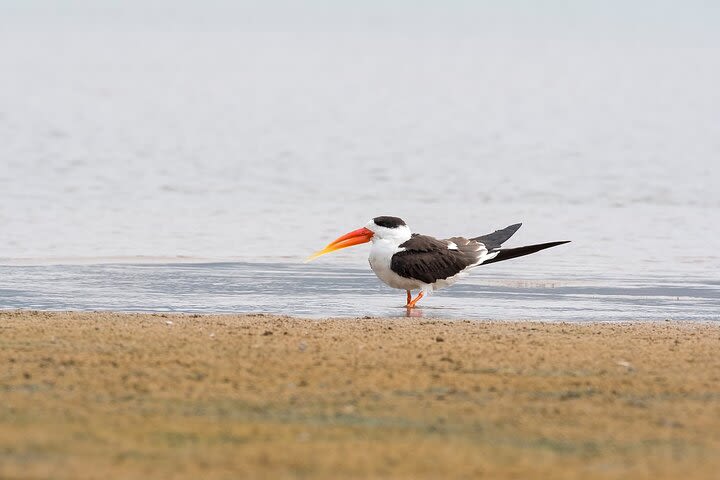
(321, 291)
(246, 135)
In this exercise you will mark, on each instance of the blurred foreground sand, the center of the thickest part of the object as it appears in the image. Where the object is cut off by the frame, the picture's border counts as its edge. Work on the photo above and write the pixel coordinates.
(90, 395)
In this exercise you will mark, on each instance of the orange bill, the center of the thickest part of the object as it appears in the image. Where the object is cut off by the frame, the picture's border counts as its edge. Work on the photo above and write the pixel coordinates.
(356, 237)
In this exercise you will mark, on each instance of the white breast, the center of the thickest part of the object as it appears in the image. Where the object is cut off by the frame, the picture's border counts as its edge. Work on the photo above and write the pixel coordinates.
(380, 259)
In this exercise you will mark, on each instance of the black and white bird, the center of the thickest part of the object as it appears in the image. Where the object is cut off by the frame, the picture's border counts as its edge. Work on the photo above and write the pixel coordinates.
(410, 261)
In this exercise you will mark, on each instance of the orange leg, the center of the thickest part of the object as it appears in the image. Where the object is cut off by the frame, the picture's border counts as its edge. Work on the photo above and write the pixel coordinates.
(412, 303)
(409, 297)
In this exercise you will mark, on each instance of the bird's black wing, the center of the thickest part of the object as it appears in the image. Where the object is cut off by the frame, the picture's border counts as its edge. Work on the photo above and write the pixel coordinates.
(428, 259)
(508, 253)
(493, 240)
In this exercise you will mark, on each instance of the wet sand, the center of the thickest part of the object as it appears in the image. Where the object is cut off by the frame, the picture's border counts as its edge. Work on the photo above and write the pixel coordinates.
(90, 395)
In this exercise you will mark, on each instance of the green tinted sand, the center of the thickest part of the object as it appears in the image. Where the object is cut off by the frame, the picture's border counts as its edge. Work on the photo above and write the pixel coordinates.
(100, 395)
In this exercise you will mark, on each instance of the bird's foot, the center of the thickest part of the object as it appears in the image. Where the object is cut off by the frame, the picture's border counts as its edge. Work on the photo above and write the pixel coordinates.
(411, 303)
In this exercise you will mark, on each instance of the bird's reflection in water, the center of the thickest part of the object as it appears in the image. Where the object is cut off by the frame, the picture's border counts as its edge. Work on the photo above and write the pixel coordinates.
(413, 312)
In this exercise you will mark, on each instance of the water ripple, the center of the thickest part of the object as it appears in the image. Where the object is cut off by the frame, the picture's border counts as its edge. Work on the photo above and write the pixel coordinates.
(332, 291)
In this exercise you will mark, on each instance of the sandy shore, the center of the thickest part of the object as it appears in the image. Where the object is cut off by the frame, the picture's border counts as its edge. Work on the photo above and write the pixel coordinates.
(91, 395)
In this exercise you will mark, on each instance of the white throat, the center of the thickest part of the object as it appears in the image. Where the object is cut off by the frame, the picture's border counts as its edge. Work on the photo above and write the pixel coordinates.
(397, 235)
(386, 243)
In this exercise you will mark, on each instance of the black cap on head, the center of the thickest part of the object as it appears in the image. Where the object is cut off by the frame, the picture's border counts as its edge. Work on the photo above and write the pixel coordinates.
(388, 222)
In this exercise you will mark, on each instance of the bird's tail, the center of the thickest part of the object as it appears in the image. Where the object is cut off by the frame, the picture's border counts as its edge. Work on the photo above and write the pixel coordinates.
(508, 253)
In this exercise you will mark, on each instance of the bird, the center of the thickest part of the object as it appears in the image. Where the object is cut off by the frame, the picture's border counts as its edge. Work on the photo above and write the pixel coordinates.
(411, 261)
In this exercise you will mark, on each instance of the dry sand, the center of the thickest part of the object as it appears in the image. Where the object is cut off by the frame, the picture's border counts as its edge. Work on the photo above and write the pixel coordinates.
(101, 395)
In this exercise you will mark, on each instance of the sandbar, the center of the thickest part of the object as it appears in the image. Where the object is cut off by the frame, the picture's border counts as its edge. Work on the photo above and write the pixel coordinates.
(110, 395)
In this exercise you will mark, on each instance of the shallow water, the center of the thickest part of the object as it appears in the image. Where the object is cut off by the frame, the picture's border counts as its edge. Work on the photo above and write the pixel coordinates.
(254, 133)
(330, 291)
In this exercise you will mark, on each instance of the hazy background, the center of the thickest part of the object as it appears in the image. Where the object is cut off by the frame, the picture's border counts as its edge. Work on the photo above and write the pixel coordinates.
(256, 131)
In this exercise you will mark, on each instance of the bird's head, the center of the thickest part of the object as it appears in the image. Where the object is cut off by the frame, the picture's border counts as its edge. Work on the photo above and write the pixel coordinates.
(379, 228)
